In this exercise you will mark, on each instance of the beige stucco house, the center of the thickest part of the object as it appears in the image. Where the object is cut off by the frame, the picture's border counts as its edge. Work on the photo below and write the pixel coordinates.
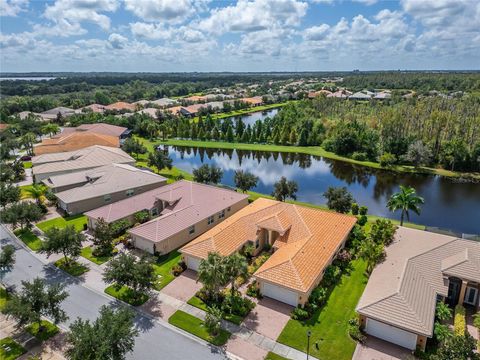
(184, 211)
(420, 269)
(106, 184)
(305, 241)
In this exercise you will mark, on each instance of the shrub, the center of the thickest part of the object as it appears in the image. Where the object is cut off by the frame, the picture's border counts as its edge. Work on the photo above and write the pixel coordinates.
(331, 276)
(177, 269)
(299, 314)
(363, 210)
(318, 296)
(362, 220)
(354, 330)
(142, 216)
(119, 227)
(238, 305)
(343, 258)
(387, 159)
(459, 322)
(359, 156)
(355, 209)
(383, 231)
(253, 290)
(213, 320)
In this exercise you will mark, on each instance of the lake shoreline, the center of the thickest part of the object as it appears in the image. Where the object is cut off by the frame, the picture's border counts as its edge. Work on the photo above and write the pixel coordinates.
(319, 151)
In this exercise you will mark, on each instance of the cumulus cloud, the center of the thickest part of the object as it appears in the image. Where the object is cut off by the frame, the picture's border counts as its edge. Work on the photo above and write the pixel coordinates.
(12, 7)
(117, 41)
(257, 15)
(316, 32)
(150, 31)
(172, 11)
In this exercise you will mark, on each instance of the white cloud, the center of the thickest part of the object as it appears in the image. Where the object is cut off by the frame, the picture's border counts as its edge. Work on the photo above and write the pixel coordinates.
(316, 32)
(366, 2)
(12, 7)
(150, 31)
(117, 41)
(171, 11)
(257, 15)
(74, 12)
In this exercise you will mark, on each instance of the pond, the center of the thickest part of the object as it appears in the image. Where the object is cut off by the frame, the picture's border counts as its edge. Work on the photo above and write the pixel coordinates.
(250, 119)
(449, 204)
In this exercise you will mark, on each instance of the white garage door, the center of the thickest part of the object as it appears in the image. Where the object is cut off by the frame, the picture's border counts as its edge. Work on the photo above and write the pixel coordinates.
(391, 334)
(280, 294)
(193, 263)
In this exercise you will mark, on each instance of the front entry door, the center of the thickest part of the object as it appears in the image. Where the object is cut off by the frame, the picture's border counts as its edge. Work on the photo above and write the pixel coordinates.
(471, 296)
(453, 292)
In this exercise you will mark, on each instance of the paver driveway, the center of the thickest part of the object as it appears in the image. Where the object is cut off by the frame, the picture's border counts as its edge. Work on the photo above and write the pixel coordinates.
(244, 349)
(376, 349)
(268, 318)
(184, 286)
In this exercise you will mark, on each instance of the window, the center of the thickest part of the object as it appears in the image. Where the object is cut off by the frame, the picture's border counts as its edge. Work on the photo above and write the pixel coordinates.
(221, 214)
(107, 197)
(210, 220)
(154, 211)
(191, 229)
(130, 192)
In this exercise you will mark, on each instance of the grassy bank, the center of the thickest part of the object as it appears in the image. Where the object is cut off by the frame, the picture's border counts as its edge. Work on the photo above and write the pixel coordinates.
(315, 151)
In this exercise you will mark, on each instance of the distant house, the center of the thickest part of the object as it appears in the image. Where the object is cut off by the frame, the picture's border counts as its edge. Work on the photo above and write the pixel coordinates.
(164, 102)
(314, 94)
(96, 108)
(152, 112)
(141, 103)
(195, 98)
(174, 110)
(120, 106)
(74, 141)
(360, 96)
(98, 128)
(253, 101)
(382, 95)
(24, 114)
(93, 188)
(47, 165)
(304, 241)
(340, 94)
(420, 269)
(185, 210)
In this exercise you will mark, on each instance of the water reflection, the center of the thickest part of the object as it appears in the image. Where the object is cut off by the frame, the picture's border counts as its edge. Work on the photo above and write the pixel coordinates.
(448, 204)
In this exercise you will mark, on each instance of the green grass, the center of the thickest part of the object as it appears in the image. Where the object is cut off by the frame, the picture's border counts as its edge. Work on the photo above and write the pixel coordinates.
(329, 325)
(87, 253)
(16, 350)
(316, 151)
(273, 356)
(3, 298)
(163, 268)
(195, 326)
(127, 295)
(30, 239)
(27, 164)
(48, 330)
(61, 222)
(24, 194)
(74, 268)
(198, 303)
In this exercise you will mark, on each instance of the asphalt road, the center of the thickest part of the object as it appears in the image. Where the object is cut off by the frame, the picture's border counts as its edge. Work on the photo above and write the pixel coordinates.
(155, 341)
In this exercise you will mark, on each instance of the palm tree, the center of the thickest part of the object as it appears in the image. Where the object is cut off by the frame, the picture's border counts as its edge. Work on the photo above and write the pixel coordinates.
(405, 200)
(37, 192)
(235, 266)
(372, 253)
(211, 273)
(50, 129)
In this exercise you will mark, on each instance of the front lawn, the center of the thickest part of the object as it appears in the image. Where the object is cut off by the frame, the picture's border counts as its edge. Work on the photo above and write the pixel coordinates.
(48, 330)
(87, 253)
(329, 325)
(127, 295)
(74, 268)
(198, 303)
(273, 356)
(195, 326)
(24, 194)
(163, 268)
(10, 350)
(29, 238)
(61, 222)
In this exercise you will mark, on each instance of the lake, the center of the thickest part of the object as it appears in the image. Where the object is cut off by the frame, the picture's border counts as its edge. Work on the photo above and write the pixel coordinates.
(250, 119)
(26, 78)
(449, 204)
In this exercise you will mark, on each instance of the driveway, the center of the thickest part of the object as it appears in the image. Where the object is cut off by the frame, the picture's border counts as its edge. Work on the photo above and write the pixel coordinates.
(184, 287)
(244, 349)
(268, 318)
(376, 349)
(156, 339)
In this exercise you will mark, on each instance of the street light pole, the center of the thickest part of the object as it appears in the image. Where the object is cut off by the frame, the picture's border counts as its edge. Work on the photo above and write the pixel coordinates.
(309, 333)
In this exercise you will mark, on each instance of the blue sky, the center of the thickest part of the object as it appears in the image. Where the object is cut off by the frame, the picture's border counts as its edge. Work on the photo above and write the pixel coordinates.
(255, 35)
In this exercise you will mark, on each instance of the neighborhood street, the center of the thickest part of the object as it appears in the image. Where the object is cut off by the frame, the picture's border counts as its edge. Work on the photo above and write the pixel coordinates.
(155, 341)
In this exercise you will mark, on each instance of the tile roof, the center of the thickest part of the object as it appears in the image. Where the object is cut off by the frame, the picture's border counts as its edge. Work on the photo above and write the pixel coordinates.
(99, 128)
(120, 105)
(75, 141)
(308, 240)
(97, 108)
(402, 290)
(190, 203)
(62, 110)
(106, 180)
(87, 158)
(149, 111)
(164, 102)
(256, 100)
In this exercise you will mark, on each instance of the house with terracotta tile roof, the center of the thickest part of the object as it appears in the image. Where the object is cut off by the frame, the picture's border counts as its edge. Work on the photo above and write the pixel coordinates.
(74, 141)
(121, 105)
(183, 210)
(90, 189)
(304, 242)
(253, 101)
(420, 269)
